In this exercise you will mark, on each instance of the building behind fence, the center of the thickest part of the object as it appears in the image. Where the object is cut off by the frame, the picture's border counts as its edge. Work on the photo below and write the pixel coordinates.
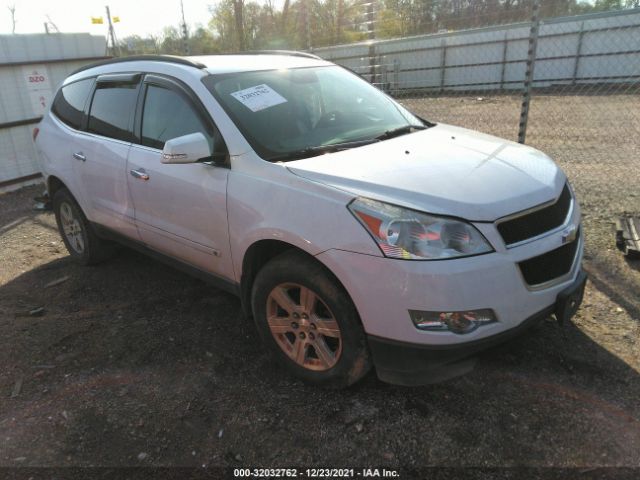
(31, 68)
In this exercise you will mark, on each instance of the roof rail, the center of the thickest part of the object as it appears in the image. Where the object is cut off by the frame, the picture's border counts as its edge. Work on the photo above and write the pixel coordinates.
(146, 58)
(291, 53)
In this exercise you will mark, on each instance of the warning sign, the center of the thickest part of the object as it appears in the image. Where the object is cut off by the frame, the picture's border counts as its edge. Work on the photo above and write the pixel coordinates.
(38, 86)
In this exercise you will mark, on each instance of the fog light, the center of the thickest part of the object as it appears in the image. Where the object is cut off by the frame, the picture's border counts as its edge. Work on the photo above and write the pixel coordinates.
(456, 322)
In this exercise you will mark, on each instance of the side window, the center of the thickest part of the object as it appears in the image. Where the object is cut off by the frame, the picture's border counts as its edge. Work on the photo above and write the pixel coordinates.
(168, 115)
(111, 109)
(70, 100)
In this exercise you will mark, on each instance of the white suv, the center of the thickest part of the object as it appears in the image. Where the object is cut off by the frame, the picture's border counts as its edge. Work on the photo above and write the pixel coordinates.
(355, 232)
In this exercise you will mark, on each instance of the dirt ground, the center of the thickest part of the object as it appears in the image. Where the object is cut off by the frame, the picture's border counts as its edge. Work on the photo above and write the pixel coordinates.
(132, 363)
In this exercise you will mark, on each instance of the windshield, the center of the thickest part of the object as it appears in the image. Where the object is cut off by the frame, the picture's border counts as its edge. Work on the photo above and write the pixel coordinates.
(294, 112)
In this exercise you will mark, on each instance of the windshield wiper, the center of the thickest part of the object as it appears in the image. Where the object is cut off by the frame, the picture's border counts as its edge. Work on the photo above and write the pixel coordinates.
(320, 150)
(396, 132)
(336, 147)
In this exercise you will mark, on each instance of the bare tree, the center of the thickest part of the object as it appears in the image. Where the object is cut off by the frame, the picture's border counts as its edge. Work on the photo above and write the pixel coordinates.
(270, 8)
(285, 12)
(238, 7)
(12, 9)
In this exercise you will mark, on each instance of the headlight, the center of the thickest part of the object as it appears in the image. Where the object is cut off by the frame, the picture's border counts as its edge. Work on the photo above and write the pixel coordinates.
(404, 233)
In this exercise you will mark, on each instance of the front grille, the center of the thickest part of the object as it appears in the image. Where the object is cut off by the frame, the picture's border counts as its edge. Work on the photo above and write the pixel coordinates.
(550, 265)
(536, 223)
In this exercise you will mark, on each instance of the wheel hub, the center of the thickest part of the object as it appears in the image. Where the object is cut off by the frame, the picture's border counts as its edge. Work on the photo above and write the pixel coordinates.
(304, 327)
(71, 227)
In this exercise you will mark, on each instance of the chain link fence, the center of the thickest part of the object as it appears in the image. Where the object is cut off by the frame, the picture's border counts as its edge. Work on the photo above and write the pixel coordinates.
(567, 85)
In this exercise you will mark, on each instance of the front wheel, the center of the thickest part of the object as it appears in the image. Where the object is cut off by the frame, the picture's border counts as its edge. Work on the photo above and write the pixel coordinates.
(308, 322)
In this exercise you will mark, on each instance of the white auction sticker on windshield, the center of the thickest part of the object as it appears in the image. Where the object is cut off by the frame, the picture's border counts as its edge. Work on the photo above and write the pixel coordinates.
(259, 97)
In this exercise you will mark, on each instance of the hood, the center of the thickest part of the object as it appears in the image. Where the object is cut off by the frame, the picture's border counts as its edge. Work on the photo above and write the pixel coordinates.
(442, 170)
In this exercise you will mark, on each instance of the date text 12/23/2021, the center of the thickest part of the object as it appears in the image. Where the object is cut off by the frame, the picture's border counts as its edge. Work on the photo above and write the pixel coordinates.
(315, 473)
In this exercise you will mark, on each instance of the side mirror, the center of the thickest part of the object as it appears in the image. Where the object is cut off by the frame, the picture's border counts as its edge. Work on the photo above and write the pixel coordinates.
(186, 149)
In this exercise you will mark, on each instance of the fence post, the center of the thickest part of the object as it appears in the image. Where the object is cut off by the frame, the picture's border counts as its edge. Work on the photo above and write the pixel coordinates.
(372, 63)
(504, 60)
(443, 64)
(371, 34)
(531, 62)
(578, 53)
(384, 72)
(396, 75)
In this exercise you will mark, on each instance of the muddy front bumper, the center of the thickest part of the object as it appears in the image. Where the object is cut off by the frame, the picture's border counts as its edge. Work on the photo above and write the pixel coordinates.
(411, 364)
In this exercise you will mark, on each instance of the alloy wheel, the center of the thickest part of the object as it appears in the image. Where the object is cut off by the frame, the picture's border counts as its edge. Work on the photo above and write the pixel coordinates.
(72, 228)
(304, 327)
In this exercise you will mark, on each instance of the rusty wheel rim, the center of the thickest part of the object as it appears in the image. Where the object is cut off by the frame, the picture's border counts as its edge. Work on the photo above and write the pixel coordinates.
(304, 327)
(71, 227)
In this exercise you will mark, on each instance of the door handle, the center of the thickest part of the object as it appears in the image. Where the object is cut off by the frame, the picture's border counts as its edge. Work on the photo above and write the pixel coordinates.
(140, 173)
(80, 156)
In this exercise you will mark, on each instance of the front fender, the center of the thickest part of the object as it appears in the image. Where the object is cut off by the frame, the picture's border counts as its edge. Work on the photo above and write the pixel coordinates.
(270, 203)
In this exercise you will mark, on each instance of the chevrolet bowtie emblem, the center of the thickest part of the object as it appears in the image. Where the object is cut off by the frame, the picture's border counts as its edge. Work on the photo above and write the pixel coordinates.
(569, 234)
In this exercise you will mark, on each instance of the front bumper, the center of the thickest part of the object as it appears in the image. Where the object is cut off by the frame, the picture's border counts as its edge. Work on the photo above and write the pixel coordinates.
(410, 364)
(384, 290)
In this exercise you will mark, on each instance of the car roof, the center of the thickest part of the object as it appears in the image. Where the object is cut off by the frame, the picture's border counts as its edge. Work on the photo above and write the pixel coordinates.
(253, 62)
(212, 64)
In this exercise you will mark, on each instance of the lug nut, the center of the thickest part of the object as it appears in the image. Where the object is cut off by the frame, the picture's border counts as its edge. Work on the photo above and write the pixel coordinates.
(313, 326)
(295, 315)
(305, 316)
(302, 335)
(294, 325)
(312, 336)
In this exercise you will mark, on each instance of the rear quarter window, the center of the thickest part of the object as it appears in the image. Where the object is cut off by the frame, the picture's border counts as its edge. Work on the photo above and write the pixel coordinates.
(112, 110)
(69, 103)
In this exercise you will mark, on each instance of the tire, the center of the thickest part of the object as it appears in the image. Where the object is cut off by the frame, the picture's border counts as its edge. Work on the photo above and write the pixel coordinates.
(315, 330)
(77, 233)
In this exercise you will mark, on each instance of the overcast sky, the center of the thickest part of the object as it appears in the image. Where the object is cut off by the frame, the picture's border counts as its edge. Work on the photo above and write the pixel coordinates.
(140, 17)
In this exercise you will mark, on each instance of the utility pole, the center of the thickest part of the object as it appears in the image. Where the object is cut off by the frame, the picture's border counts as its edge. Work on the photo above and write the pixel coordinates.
(371, 20)
(185, 33)
(112, 35)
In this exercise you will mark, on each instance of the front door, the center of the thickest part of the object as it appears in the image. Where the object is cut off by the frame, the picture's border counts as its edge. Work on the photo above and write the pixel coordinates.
(180, 210)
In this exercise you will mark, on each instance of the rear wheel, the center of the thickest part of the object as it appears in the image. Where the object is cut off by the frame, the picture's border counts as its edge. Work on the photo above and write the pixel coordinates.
(308, 322)
(76, 231)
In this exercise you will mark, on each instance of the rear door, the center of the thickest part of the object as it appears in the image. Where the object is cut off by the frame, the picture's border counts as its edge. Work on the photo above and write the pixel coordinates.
(180, 210)
(57, 139)
(101, 152)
